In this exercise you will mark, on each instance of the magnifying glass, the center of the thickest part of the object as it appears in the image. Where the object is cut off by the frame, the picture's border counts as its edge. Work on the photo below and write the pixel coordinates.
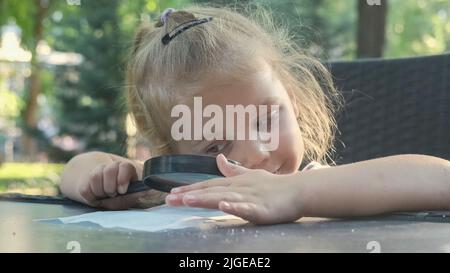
(163, 173)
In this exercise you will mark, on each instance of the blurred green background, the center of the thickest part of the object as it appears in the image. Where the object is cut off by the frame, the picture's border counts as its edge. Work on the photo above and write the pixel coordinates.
(62, 67)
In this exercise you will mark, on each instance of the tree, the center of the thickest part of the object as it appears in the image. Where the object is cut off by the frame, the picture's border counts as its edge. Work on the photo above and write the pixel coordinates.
(30, 18)
(88, 95)
(418, 28)
(372, 16)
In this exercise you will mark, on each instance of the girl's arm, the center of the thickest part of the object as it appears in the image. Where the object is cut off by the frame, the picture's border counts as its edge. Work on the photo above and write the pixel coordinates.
(395, 183)
(97, 179)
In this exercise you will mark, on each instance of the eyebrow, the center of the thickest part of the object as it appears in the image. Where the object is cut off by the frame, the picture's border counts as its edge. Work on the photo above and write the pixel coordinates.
(272, 100)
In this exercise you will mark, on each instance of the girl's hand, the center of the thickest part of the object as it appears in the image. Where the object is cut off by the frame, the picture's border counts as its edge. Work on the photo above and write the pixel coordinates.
(254, 195)
(104, 184)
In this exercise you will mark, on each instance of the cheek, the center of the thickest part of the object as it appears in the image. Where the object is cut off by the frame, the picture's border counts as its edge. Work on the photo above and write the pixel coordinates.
(182, 147)
(291, 147)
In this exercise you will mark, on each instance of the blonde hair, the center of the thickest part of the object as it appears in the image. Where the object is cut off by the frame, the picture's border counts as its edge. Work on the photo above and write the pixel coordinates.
(160, 76)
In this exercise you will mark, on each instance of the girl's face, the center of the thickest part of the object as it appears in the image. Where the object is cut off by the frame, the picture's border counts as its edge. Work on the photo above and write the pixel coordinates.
(261, 88)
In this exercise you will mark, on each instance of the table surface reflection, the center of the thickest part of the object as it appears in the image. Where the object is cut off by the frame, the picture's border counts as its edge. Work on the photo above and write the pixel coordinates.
(408, 232)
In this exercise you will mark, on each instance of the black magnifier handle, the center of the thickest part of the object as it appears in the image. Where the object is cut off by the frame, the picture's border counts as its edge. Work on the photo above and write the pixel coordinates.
(153, 182)
(136, 186)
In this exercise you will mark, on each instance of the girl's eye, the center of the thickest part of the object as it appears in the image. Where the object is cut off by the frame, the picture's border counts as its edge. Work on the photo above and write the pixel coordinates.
(217, 148)
(265, 122)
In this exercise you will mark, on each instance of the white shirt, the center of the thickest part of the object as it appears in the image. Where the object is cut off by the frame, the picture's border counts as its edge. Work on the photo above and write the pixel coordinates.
(313, 165)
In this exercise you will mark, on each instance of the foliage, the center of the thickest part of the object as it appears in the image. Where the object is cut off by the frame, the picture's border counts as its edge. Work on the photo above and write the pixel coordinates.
(32, 178)
(418, 28)
(86, 100)
(19, 12)
(10, 103)
(88, 94)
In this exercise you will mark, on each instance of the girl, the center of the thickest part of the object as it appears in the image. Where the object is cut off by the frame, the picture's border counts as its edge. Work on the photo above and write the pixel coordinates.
(228, 59)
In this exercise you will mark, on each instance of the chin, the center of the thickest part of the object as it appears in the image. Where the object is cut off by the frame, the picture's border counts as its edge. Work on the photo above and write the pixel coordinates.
(290, 167)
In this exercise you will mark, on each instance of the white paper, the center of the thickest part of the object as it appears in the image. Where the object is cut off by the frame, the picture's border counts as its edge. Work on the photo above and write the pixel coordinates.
(154, 219)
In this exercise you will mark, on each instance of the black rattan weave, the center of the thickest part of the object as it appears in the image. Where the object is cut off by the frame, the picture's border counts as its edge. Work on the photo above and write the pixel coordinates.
(393, 106)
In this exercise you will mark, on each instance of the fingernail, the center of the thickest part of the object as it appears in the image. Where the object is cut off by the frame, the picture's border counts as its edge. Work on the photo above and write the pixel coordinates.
(122, 189)
(171, 197)
(175, 190)
(189, 198)
(226, 204)
(234, 162)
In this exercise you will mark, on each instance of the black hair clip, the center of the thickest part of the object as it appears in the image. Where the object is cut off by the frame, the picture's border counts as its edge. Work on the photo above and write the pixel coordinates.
(182, 27)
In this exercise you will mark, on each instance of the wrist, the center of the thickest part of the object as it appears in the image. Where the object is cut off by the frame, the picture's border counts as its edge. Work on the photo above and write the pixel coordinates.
(297, 187)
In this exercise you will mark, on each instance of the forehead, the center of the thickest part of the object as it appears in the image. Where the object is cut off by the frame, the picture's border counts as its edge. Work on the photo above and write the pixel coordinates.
(254, 88)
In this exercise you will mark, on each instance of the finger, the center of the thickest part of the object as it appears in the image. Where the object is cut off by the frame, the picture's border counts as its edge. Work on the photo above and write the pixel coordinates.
(87, 194)
(211, 200)
(217, 189)
(97, 189)
(110, 179)
(96, 182)
(229, 169)
(246, 210)
(127, 172)
(121, 202)
(176, 199)
(202, 185)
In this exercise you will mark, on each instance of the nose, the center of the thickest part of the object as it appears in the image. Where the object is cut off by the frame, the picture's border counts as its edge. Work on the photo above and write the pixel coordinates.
(251, 154)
